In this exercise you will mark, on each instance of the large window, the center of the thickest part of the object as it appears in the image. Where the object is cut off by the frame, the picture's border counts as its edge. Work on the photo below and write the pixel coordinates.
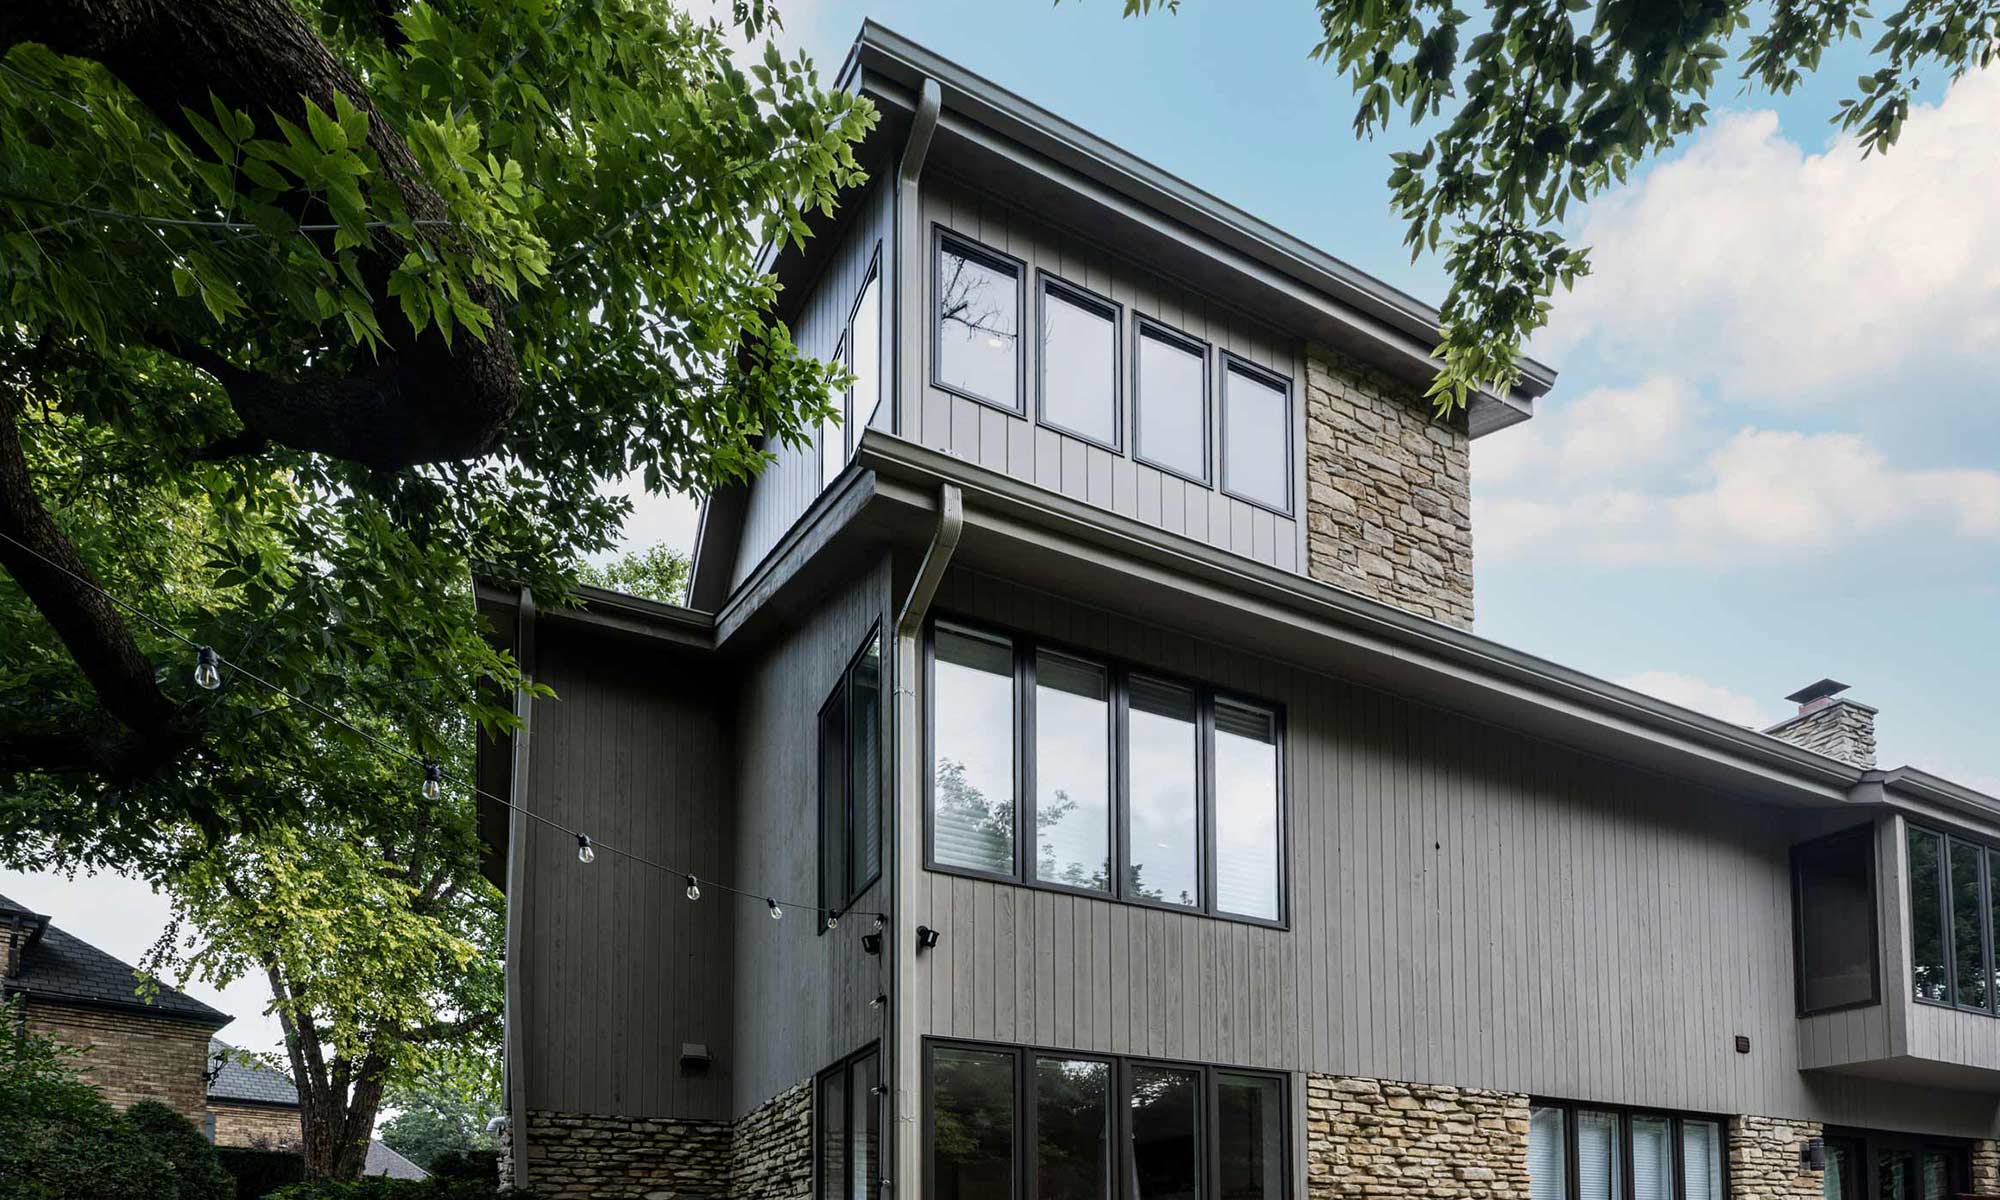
(1952, 912)
(850, 782)
(1833, 918)
(1079, 377)
(847, 1129)
(1577, 1152)
(1170, 402)
(1256, 435)
(1062, 770)
(1008, 1123)
(977, 352)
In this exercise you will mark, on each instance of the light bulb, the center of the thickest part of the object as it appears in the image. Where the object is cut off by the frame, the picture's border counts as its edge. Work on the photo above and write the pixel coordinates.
(776, 912)
(833, 920)
(880, 921)
(879, 1000)
(694, 888)
(207, 669)
(585, 852)
(433, 781)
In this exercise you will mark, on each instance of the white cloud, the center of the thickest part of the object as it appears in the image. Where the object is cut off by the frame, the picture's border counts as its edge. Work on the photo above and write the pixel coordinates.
(1605, 432)
(1801, 276)
(1701, 696)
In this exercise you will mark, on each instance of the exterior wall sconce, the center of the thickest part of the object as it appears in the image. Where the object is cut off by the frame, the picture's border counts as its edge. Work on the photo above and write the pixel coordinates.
(695, 1059)
(926, 938)
(1812, 1155)
(871, 943)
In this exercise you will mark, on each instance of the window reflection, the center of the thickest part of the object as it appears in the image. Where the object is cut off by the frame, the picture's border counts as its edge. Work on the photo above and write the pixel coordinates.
(1246, 810)
(979, 324)
(1171, 408)
(1164, 828)
(1927, 961)
(1256, 435)
(1072, 1129)
(1079, 365)
(1166, 1137)
(1072, 772)
(1250, 1137)
(972, 769)
(972, 1130)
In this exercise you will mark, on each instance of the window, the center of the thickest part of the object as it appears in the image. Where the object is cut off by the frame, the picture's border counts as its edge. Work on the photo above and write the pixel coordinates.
(1256, 436)
(1048, 1125)
(860, 351)
(978, 348)
(1833, 919)
(1127, 785)
(847, 1129)
(1952, 914)
(833, 427)
(1170, 402)
(850, 782)
(1580, 1151)
(1079, 364)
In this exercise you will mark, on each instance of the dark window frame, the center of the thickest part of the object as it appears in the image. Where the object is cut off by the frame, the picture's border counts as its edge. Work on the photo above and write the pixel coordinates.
(873, 275)
(1119, 672)
(1874, 1144)
(1232, 361)
(1948, 934)
(1625, 1113)
(1024, 1095)
(1144, 327)
(1866, 833)
(1047, 281)
(943, 238)
(841, 355)
(831, 904)
(843, 1071)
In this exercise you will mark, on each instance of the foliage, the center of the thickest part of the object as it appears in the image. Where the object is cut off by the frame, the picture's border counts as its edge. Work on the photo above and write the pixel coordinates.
(60, 1139)
(197, 1174)
(1557, 100)
(438, 1119)
(377, 1187)
(479, 1166)
(258, 1173)
(658, 572)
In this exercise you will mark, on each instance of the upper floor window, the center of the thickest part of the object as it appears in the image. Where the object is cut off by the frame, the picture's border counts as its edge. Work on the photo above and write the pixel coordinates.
(1952, 918)
(1005, 1123)
(977, 352)
(850, 782)
(1170, 402)
(1583, 1153)
(847, 1129)
(860, 351)
(833, 426)
(1833, 920)
(1079, 380)
(1063, 770)
(1256, 435)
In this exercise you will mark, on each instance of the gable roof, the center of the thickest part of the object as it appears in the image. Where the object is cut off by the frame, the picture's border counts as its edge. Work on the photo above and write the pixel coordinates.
(382, 1160)
(246, 1082)
(60, 967)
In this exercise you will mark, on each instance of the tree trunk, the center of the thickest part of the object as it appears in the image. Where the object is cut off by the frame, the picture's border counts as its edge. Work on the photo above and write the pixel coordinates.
(337, 1121)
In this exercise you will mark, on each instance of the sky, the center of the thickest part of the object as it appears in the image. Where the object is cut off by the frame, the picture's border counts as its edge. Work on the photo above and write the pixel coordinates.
(1773, 453)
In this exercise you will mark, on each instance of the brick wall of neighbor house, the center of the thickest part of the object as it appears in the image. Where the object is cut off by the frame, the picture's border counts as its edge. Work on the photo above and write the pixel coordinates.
(1375, 1137)
(1764, 1159)
(131, 1057)
(256, 1126)
(764, 1155)
(1388, 492)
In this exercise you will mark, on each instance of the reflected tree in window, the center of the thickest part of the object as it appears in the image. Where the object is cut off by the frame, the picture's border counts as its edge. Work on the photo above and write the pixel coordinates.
(1072, 1129)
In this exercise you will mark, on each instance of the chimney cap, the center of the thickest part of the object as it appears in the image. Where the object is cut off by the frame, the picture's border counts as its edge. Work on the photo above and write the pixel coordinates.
(1825, 689)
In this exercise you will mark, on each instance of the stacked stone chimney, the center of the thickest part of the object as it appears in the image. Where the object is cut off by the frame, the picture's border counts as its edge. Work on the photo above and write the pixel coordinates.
(1830, 724)
(18, 927)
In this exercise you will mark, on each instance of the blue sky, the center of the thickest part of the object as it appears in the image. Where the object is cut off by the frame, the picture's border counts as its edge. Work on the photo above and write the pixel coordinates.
(1774, 452)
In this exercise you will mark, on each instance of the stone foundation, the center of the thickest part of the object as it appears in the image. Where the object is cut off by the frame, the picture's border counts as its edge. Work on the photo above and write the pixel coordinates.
(1986, 1168)
(1373, 1137)
(772, 1148)
(131, 1057)
(1388, 492)
(1764, 1159)
(764, 1155)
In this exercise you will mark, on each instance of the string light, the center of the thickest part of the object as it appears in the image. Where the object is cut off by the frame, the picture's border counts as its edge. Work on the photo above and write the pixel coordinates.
(585, 852)
(694, 888)
(880, 999)
(832, 920)
(207, 667)
(433, 781)
(777, 914)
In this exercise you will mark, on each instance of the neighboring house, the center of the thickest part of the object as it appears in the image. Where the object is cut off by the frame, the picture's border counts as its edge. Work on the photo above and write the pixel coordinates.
(1118, 647)
(257, 1107)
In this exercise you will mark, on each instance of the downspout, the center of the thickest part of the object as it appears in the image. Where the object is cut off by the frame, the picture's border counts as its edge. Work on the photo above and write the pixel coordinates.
(899, 1071)
(517, 869)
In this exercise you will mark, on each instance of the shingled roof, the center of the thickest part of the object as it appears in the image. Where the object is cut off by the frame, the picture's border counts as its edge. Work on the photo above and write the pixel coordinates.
(61, 968)
(246, 1082)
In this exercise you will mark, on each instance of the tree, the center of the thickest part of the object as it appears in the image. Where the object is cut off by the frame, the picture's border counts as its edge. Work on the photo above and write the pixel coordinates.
(655, 573)
(310, 302)
(1557, 100)
(436, 1118)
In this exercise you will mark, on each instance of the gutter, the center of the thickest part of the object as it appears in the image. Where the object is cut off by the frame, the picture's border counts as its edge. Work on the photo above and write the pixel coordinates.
(514, 1020)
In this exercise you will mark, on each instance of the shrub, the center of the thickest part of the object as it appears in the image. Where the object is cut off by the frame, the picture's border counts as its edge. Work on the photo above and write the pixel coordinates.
(258, 1173)
(474, 1166)
(198, 1175)
(377, 1187)
(60, 1140)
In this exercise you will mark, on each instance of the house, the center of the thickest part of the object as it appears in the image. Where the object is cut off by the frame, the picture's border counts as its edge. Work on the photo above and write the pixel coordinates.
(1117, 649)
(257, 1107)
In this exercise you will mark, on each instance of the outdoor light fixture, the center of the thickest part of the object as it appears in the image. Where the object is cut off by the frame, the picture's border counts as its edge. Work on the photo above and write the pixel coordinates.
(881, 998)
(871, 943)
(694, 888)
(832, 919)
(433, 781)
(1812, 1154)
(585, 852)
(207, 669)
(926, 938)
(695, 1058)
(777, 914)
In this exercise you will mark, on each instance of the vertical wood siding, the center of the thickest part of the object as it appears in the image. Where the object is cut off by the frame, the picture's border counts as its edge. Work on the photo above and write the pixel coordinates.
(789, 485)
(1469, 906)
(618, 968)
(802, 997)
(1025, 449)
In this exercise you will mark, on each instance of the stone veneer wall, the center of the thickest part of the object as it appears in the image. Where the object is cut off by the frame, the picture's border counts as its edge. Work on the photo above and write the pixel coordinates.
(1986, 1168)
(1376, 1137)
(772, 1148)
(257, 1126)
(1841, 729)
(1388, 492)
(1764, 1159)
(764, 1155)
(130, 1056)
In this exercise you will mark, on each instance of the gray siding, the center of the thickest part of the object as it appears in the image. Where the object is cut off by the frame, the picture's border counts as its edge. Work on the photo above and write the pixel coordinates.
(803, 996)
(1021, 447)
(619, 969)
(1469, 906)
(789, 485)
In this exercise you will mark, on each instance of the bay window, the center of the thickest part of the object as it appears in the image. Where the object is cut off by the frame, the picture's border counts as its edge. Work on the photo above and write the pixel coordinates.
(1062, 770)
(1601, 1153)
(1952, 914)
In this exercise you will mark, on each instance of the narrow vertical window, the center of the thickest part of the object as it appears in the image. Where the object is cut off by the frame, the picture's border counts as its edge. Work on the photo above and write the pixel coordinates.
(978, 325)
(1599, 1173)
(1072, 1129)
(1246, 810)
(1170, 403)
(864, 340)
(1165, 1124)
(1548, 1154)
(850, 782)
(864, 1155)
(1163, 817)
(1833, 908)
(1968, 926)
(833, 426)
(1701, 1160)
(1079, 381)
(1256, 437)
(1072, 772)
(1931, 974)
(972, 749)
(1652, 1158)
(972, 1124)
(830, 1099)
(833, 826)
(1250, 1140)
